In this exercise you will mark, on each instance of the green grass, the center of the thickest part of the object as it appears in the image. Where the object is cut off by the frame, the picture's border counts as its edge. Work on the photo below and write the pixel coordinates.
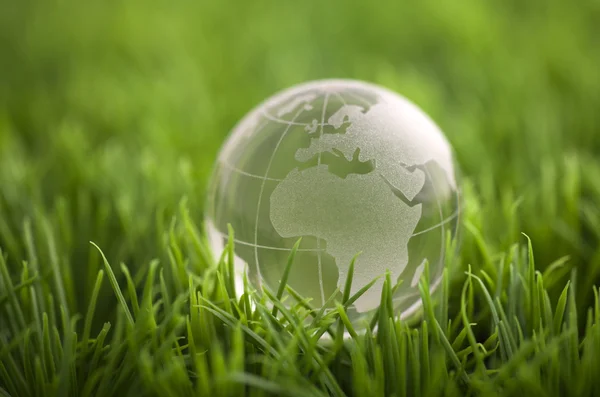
(111, 114)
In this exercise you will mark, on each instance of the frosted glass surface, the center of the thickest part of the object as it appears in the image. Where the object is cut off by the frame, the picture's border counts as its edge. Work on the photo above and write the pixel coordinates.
(349, 167)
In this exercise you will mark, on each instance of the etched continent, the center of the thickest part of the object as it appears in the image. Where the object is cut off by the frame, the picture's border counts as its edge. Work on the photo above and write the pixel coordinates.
(357, 213)
(395, 152)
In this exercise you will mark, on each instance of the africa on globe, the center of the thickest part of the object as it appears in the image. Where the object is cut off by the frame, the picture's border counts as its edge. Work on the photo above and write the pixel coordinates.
(349, 167)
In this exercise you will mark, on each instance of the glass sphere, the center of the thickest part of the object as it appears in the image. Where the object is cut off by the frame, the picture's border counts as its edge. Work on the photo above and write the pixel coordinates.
(349, 167)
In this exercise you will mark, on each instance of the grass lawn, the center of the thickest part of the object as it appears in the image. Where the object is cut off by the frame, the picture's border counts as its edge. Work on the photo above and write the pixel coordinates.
(112, 113)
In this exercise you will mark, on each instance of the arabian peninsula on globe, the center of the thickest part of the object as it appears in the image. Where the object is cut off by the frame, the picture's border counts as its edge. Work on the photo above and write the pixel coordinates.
(350, 167)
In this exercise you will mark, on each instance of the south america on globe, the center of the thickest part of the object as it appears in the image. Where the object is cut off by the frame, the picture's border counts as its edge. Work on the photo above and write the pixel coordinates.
(350, 167)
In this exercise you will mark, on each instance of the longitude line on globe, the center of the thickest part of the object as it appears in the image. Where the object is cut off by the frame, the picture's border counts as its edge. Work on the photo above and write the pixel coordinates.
(440, 224)
(262, 188)
(341, 98)
(441, 212)
(319, 263)
(218, 207)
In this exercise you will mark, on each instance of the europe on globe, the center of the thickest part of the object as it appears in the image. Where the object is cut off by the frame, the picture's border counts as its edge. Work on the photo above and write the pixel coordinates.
(350, 167)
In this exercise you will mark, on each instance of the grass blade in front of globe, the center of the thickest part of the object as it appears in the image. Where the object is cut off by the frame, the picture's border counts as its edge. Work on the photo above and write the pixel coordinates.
(176, 356)
(286, 273)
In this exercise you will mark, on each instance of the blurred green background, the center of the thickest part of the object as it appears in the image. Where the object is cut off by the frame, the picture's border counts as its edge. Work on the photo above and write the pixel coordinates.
(112, 111)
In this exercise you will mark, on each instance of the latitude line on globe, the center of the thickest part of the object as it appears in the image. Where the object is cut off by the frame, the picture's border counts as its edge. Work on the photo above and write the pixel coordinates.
(360, 99)
(282, 121)
(319, 264)
(262, 189)
(448, 219)
(268, 247)
(242, 242)
(242, 172)
(237, 170)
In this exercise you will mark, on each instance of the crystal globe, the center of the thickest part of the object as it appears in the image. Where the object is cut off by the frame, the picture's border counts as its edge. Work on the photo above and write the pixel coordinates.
(349, 167)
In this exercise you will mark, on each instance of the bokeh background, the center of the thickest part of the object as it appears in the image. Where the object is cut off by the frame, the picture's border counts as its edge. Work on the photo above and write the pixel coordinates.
(112, 111)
